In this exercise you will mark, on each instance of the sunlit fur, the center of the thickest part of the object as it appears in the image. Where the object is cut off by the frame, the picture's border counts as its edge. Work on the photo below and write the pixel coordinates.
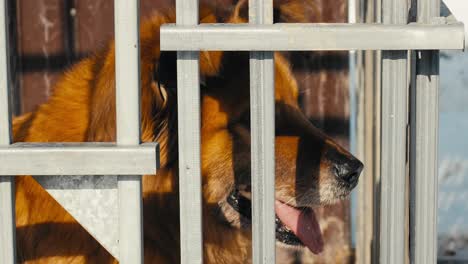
(82, 108)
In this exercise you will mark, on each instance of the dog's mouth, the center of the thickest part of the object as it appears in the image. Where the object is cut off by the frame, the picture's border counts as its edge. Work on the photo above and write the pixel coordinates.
(295, 226)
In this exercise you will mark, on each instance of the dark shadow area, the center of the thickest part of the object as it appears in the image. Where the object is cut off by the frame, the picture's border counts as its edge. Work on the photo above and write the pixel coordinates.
(334, 127)
(58, 239)
(310, 62)
(307, 166)
(53, 63)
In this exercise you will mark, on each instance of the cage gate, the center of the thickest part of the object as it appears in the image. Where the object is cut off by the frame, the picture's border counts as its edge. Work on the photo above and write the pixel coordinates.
(395, 37)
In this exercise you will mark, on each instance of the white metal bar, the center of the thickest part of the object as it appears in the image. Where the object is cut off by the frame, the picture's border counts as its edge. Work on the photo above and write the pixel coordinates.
(368, 124)
(262, 108)
(7, 189)
(393, 156)
(78, 159)
(189, 158)
(127, 75)
(296, 37)
(377, 134)
(423, 152)
(188, 105)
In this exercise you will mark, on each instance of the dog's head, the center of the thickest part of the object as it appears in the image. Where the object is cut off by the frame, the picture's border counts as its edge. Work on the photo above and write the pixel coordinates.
(310, 168)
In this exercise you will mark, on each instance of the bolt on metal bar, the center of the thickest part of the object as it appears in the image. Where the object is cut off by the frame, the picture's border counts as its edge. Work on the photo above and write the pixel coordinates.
(127, 76)
(7, 183)
(262, 108)
(299, 37)
(94, 159)
(393, 140)
(188, 105)
(423, 151)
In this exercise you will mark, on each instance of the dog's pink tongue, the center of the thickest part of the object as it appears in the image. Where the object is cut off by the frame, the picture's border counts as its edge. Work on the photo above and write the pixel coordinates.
(303, 224)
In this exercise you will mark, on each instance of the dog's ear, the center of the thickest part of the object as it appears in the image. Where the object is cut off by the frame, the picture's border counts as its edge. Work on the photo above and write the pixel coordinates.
(165, 70)
(241, 12)
(296, 11)
(284, 11)
(210, 61)
(164, 76)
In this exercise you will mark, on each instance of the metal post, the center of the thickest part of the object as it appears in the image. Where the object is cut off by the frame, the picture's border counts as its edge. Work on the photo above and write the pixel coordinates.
(127, 76)
(262, 107)
(188, 104)
(7, 183)
(423, 152)
(393, 150)
(368, 125)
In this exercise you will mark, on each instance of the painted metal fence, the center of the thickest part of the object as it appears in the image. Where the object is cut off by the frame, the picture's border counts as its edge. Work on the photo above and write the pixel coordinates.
(395, 36)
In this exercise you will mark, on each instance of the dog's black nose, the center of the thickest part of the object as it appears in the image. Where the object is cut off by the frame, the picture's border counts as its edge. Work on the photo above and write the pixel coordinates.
(348, 171)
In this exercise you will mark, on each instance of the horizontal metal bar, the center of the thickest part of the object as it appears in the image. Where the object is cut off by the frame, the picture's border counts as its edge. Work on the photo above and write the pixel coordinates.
(78, 159)
(283, 37)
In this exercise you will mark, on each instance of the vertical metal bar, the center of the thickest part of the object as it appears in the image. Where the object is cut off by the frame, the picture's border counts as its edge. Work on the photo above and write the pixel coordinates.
(127, 76)
(377, 148)
(369, 116)
(365, 121)
(423, 151)
(262, 107)
(393, 151)
(7, 189)
(188, 104)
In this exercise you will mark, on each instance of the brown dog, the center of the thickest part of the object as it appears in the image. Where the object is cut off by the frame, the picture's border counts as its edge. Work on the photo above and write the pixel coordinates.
(311, 169)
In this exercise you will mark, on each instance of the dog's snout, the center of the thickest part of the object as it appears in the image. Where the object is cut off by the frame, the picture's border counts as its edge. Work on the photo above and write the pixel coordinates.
(348, 171)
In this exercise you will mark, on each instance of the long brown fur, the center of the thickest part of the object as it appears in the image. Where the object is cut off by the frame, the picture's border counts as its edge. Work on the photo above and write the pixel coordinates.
(82, 108)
